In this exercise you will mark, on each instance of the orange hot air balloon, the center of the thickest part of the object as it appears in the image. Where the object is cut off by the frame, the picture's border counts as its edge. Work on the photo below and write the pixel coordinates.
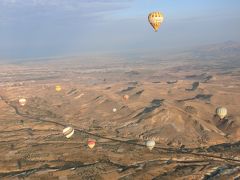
(91, 143)
(155, 19)
(126, 97)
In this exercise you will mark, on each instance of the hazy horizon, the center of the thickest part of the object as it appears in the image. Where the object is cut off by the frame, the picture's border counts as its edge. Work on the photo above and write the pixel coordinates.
(41, 28)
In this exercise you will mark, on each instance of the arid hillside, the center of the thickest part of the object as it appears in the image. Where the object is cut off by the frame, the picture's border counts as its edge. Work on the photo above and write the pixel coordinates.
(171, 101)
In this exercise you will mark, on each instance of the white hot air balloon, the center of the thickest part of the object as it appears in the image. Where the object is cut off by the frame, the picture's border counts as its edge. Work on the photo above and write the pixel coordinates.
(68, 132)
(150, 144)
(114, 110)
(221, 112)
(22, 101)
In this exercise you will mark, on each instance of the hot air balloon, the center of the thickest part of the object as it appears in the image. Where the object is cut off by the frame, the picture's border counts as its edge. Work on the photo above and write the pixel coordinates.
(114, 110)
(221, 112)
(22, 101)
(150, 144)
(126, 97)
(155, 19)
(58, 88)
(68, 132)
(91, 143)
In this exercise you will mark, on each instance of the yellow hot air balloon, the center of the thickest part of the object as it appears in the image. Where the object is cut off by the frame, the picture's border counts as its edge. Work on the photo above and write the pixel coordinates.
(58, 88)
(155, 19)
(22, 101)
(68, 132)
(221, 112)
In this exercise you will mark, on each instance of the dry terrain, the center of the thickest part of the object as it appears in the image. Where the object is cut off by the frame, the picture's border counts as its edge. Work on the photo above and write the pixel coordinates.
(171, 101)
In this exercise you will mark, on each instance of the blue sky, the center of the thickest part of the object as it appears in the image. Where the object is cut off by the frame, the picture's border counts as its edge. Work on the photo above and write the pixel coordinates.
(42, 28)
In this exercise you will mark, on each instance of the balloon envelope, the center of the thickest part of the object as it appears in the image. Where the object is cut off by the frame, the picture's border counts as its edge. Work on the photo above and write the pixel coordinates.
(125, 97)
(58, 88)
(22, 101)
(150, 144)
(155, 19)
(68, 132)
(114, 110)
(91, 143)
(221, 112)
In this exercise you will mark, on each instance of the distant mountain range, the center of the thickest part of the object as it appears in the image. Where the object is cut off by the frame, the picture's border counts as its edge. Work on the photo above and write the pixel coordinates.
(228, 49)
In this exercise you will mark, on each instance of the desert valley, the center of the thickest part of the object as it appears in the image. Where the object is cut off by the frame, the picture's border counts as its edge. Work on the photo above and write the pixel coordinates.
(172, 100)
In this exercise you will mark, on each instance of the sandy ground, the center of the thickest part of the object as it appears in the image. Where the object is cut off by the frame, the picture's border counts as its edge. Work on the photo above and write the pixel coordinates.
(171, 103)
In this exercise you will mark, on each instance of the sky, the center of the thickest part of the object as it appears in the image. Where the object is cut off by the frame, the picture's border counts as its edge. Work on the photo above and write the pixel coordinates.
(53, 28)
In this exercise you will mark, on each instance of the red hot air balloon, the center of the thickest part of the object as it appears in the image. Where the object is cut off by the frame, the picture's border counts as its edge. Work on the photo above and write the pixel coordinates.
(91, 143)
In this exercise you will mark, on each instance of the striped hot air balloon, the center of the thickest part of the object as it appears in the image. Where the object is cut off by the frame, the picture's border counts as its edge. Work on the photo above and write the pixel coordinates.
(221, 112)
(155, 19)
(68, 132)
(91, 143)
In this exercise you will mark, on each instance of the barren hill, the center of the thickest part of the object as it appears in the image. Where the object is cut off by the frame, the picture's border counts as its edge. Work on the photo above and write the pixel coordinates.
(170, 101)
